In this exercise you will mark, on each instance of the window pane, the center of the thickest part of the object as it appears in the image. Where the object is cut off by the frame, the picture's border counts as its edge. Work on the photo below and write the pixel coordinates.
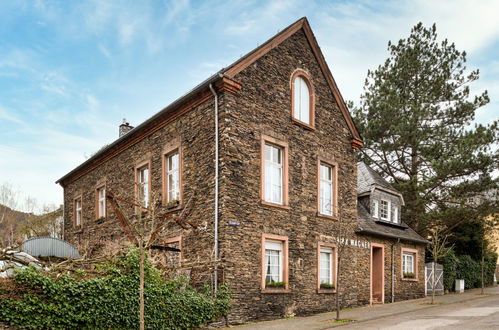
(325, 267)
(273, 260)
(384, 210)
(304, 102)
(301, 100)
(273, 174)
(173, 174)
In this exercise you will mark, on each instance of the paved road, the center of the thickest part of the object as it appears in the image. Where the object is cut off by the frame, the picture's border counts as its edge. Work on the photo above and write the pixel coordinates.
(468, 310)
(475, 314)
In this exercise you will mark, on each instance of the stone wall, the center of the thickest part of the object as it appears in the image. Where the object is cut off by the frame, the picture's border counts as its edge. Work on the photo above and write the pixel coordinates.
(195, 132)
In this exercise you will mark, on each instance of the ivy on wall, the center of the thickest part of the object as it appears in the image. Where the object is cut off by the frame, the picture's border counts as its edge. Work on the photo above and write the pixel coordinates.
(109, 301)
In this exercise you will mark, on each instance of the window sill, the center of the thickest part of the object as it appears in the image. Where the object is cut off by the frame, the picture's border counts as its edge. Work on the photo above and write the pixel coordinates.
(303, 124)
(325, 216)
(326, 291)
(275, 291)
(410, 279)
(280, 206)
(172, 209)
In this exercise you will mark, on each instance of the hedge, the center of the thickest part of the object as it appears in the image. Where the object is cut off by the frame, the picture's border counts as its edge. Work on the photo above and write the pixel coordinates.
(464, 267)
(109, 301)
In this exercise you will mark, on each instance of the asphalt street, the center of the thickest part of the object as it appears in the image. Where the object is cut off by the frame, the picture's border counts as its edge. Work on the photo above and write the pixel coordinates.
(475, 314)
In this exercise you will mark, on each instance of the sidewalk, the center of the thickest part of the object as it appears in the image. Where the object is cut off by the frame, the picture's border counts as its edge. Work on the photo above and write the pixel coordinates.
(365, 313)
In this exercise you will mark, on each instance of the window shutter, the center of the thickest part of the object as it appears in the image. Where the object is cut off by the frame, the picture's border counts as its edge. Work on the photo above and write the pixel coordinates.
(375, 209)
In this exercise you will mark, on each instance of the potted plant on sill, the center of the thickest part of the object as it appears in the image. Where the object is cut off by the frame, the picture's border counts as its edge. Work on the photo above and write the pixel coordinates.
(327, 286)
(172, 204)
(409, 275)
(275, 285)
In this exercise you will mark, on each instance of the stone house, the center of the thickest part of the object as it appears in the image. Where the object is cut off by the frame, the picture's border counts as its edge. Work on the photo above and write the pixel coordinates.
(262, 157)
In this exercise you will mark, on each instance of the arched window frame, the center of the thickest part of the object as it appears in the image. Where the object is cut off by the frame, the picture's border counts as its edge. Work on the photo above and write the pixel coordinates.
(306, 77)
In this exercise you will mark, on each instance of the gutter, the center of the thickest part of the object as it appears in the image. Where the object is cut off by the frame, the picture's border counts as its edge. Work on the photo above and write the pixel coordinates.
(377, 233)
(215, 247)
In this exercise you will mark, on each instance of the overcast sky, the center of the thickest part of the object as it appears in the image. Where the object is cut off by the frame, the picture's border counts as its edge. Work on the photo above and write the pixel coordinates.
(71, 70)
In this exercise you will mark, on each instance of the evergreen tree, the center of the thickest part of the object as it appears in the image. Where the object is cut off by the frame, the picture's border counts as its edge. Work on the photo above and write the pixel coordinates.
(416, 116)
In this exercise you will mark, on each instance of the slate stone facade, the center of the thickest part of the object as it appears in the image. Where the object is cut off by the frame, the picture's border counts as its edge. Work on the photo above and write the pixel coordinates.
(260, 108)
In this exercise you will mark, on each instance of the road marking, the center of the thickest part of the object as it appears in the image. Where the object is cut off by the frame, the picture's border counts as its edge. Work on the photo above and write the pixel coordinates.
(470, 312)
(422, 324)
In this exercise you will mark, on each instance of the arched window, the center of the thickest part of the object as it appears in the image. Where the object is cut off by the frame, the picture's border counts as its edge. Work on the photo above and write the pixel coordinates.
(302, 95)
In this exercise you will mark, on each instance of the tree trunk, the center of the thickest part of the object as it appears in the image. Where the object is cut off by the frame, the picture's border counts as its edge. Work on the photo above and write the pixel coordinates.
(483, 266)
(433, 283)
(141, 288)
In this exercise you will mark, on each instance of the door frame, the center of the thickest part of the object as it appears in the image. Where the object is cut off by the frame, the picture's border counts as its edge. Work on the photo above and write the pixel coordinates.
(382, 246)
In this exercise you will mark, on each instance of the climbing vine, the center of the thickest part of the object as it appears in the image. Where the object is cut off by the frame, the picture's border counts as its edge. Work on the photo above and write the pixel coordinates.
(107, 301)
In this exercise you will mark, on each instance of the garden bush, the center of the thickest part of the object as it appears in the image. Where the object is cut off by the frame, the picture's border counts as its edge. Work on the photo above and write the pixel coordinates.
(465, 267)
(108, 301)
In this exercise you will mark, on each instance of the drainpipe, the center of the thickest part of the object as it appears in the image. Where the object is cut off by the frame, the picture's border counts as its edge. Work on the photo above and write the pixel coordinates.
(215, 247)
(393, 269)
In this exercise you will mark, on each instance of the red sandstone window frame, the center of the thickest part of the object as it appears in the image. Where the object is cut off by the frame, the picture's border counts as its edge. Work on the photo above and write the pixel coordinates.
(75, 218)
(334, 269)
(99, 187)
(137, 168)
(285, 263)
(175, 240)
(167, 151)
(334, 169)
(415, 253)
(306, 77)
(265, 139)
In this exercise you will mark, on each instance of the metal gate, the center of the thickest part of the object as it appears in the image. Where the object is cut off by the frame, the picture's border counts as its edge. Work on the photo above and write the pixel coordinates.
(439, 278)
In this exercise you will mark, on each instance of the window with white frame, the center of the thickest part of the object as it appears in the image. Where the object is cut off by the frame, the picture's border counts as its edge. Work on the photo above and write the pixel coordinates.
(408, 268)
(273, 261)
(143, 184)
(384, 210)
(326, 265)
(301, 100)
(395, 214)
(78, 211)
(173, 176)
(101, 202)
(326, 189)
(375, 209)
(274, 174)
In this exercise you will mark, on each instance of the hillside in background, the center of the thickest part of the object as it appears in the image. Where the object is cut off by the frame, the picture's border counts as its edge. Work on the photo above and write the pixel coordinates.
(11, 222)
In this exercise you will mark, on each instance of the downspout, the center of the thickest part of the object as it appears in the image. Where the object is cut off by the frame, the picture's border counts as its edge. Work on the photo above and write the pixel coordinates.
(215, 247)
(393, 269)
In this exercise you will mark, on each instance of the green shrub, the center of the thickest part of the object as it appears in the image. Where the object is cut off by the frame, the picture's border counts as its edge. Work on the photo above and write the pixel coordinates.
(409, 275)
(469, 270)
(450, 263)
(110, 301)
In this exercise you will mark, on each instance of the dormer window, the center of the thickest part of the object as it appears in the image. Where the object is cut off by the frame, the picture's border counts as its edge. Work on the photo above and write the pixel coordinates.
(384, 210)
(302, 98)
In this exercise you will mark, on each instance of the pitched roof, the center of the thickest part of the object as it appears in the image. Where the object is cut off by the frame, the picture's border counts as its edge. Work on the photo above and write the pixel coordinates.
(369, 226)
(223, 79)
(367, 178)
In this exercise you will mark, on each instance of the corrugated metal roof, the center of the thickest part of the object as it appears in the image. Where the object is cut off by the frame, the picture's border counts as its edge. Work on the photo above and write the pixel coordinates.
(49, 247)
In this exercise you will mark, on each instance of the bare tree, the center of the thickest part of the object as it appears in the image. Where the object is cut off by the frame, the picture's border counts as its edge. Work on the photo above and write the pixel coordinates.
(142, 229)
(343, 230)
(438, 250)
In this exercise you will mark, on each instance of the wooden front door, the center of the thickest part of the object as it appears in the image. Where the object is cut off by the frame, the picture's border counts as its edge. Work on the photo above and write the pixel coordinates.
(377, 274)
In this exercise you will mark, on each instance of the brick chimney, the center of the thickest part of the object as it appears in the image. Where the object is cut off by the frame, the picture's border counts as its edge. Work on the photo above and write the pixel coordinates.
(125, 127)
